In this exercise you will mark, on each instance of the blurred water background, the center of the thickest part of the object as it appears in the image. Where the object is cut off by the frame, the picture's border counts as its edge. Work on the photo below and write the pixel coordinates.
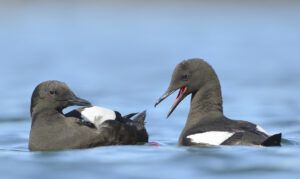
(120, 54)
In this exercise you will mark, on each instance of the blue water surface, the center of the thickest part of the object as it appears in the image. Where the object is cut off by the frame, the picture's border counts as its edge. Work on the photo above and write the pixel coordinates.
(120, 55)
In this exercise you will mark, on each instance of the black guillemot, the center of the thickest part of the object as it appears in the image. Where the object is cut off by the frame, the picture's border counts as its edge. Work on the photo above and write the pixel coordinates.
(51, 129)
(206, 123)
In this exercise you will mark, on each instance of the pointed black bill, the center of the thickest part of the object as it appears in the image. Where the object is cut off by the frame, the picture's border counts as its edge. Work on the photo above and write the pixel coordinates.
(181, 95)
(75, 101)
(163, 97)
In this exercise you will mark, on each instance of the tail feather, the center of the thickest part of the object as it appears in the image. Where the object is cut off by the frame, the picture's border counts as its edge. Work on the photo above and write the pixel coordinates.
(139, 120)
(274, 140)
(128, 116)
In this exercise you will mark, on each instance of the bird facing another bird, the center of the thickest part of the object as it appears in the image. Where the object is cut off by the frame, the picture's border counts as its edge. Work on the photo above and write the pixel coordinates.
(206, 123)
(91, 126)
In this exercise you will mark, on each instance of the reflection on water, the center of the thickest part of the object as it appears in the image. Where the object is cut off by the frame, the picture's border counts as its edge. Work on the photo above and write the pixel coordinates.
(120, 55)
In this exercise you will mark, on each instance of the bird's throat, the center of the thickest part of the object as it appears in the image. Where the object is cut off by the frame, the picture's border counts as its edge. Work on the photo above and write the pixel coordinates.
(206, 101)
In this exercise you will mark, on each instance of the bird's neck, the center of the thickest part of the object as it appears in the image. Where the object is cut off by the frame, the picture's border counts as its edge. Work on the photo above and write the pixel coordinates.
(44, 114)
(205, 103)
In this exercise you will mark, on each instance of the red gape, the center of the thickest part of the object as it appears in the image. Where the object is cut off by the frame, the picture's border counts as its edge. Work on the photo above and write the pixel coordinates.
(181, 92)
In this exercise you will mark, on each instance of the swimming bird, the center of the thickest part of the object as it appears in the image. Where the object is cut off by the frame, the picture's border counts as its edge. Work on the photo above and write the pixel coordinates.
(206, 124)
(51, 129)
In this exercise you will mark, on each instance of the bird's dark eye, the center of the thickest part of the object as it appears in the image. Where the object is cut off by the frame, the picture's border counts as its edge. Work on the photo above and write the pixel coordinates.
(185, 77)
(52, 92)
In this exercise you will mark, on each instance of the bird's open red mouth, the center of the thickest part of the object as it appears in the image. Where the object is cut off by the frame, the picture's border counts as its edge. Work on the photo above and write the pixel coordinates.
(181, 95)
(181, 92)
(178, 99)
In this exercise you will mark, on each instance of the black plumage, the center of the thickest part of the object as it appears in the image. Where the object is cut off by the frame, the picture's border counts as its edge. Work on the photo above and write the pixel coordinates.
(198, 78)
(52, 130)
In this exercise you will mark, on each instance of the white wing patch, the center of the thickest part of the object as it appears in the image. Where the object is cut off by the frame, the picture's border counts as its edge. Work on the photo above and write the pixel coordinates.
(211, 137)
(260, 129)
(97, 115)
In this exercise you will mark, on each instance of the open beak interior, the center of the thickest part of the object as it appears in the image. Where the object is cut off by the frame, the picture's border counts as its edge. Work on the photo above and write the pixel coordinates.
(178, 99)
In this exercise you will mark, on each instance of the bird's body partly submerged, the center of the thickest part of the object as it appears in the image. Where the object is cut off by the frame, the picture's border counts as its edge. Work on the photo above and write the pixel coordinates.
(224, 131)
(206, 123)
(53, 130)
(131, 126)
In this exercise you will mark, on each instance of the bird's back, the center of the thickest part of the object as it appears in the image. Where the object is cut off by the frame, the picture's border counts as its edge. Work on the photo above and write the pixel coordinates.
(223, 131)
